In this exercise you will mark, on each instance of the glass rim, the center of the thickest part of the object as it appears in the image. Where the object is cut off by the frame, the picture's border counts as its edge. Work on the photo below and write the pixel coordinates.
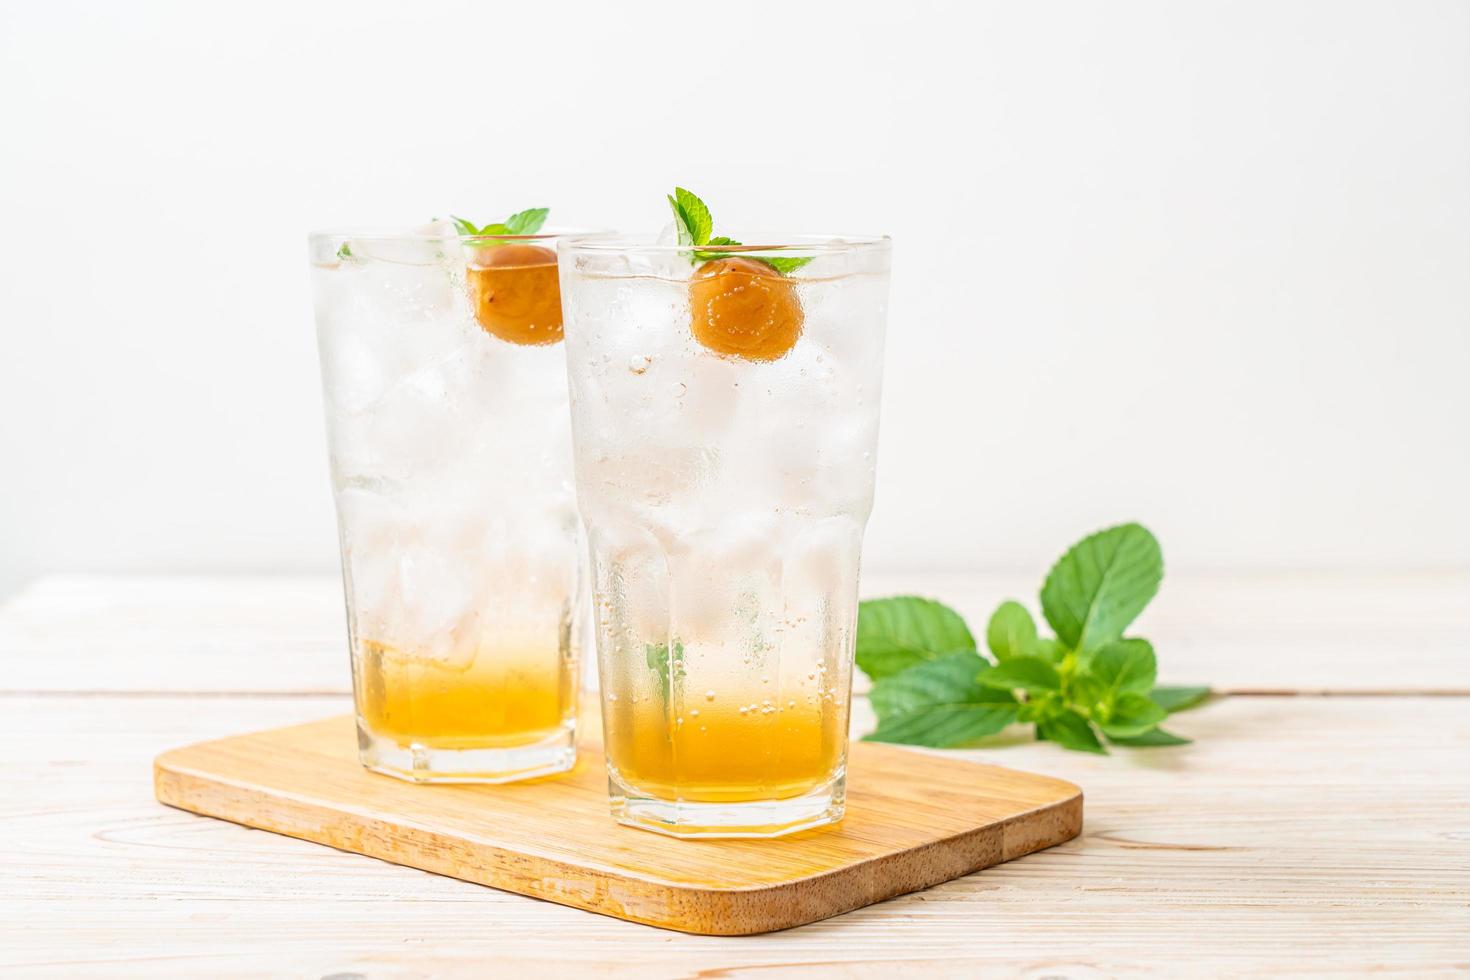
(390, 233)
(611, 243)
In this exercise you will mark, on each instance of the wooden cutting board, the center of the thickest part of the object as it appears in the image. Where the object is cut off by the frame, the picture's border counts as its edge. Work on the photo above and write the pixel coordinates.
(913, 820)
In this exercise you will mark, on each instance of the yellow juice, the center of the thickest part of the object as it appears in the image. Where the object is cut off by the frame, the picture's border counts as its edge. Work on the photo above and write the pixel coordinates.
(496, 698)
(724, 750)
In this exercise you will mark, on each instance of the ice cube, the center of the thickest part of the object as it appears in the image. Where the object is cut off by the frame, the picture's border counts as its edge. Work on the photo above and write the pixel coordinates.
(354, 375)
(412, 427)
(372, 523)
(437, 614)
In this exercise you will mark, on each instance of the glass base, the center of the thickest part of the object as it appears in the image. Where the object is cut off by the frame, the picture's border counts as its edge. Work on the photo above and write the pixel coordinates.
(423, 764)
(760, 818)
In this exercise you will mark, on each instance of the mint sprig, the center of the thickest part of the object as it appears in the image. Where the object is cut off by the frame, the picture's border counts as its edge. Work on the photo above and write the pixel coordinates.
(665, 669)
(526, 222)
(694, 226)
(1087, 685)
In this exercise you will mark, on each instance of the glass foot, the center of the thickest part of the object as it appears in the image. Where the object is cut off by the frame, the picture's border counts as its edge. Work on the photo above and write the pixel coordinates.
(422, 764)
(759, 818)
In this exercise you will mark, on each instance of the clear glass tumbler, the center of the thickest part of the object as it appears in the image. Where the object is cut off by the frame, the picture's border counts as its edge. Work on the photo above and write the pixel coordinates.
(725, 429)
(446, 404)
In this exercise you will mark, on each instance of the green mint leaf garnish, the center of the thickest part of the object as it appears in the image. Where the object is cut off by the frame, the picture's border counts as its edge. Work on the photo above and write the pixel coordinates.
(1131, 714)
(933, 687)
(526, 222)
(1030, 674)
(785, 266)
(656, 655)
(1088, 694)
(706, 255)
(1125, 666)
(898, 633)
(1149, 739)
(1072, 731)
(681, 223)
(345, 252)
(940, 703)
(696, 216)
(932, 682)
(1101, 585)
(1173, 699)
(946, 726)
(1011, 632)
(694, 225)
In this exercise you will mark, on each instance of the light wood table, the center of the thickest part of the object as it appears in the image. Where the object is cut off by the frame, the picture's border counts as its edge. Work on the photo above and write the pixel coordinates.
(1320, 824)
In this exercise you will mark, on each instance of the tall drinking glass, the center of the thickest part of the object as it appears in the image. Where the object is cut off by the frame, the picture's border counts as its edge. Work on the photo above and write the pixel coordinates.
(446, 403)
(725, 426)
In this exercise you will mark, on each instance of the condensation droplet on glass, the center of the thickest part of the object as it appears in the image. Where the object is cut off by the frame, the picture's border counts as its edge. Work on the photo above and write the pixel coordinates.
(638, 363)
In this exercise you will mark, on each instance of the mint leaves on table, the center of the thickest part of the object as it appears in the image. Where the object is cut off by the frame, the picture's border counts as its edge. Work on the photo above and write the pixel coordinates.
(694, 226)
(526, 222)
(1086, 685)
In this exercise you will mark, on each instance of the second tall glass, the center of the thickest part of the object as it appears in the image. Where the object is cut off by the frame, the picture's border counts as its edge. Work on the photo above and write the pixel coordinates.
(725, 425)
(446, 400)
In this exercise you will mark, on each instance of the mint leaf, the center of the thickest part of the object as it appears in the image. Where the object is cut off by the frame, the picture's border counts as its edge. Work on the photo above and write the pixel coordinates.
(1071, 731)
(1153, 737)
(953, 677)
(656, 655)
(1088, 694)
(1124, 666)
(1101, 585)
(681, 223)
(785, 264)
(931, 687)
(1173, 699)
(1011, 632)
(695, 215)
(694, 225)
(895, 634)
(1132, 714)
(704, 255)
(521, 223)
(1028, 673)
(945, 726)
(1039, 706)
(344, 252)
(526, 222)
(940, 703)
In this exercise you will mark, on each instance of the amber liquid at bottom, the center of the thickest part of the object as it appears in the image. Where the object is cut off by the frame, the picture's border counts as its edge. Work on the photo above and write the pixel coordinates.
(713, 752)
(497, 699)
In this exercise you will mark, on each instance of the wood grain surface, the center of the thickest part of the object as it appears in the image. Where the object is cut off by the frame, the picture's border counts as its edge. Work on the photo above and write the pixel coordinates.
(1298, 836)
(912, 822)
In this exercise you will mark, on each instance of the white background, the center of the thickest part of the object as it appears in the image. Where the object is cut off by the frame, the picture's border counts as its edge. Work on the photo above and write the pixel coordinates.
(1204, 265)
